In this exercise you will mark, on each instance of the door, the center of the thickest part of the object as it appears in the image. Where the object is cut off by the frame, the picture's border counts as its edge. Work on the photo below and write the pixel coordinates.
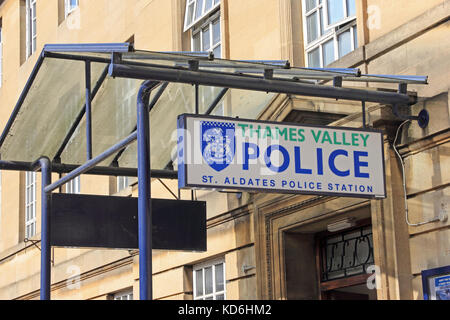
(342, 261)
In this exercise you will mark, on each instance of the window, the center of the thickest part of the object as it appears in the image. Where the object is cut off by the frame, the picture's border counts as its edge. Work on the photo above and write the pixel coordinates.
(74, 186)
(30, 204)
(329, 30)
(122, 183)
(70, 5)
(209, 281)
(124, 295)
(31, 26)
(206, 37)
(203, 17)
(196, 10)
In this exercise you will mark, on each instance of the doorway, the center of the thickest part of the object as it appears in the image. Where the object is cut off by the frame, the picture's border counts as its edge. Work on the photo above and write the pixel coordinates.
(342, 260)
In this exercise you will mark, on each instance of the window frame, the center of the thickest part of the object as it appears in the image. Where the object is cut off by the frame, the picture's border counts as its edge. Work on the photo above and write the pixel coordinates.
(329, 31)
(203, 14)
(202, 267)
(74, 186)
(68, 9)
(347, 18)
(208, 23)
(31, 33)
(124, 293)
(119, 183)
(30, 202)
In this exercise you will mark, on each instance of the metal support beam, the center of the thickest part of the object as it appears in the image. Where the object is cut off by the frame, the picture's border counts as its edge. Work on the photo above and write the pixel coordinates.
(89, 47)
(363, 103)
(22, 97)
(91, 163)
(257, 84)
(88, 111)
(46, 169)
(144, 190)
(197, 103)
(80, 116)
(216, 101)
(98, 171)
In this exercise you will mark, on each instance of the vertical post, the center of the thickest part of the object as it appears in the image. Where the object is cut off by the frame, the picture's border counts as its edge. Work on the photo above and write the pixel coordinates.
(197, 111)
(144, 209)
(88, 111)
(46, 179)
(364, 114)
(197, 107)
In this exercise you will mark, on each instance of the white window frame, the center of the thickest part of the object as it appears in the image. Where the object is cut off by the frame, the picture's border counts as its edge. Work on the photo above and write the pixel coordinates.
(74, 186)
(203, 266)
(204, 12)
(340, 22)
(30, 204)
(124, 295)
(68, 8)
(31, 30)
(122, 183)
(199, 30)
(329, 32)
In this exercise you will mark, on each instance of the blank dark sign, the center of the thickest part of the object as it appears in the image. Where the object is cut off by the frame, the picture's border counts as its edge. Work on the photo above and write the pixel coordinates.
(87, 221)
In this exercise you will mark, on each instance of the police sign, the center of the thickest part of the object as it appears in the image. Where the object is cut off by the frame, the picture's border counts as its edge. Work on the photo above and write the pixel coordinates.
(227, 153)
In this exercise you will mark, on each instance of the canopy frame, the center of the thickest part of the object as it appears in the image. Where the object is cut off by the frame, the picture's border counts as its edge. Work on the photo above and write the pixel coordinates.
(197, 69)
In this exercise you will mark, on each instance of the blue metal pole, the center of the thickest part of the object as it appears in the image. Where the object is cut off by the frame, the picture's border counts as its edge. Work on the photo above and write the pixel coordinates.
(92, 163)
(144, 210)
(46, 170)
(88, 111)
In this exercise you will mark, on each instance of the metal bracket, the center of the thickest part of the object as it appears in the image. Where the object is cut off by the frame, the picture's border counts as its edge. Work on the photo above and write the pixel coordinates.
(423, 118)
(337, 82)
(193, 65)
(116, 57)
(268, 74)
(34, 242)
(246, 268)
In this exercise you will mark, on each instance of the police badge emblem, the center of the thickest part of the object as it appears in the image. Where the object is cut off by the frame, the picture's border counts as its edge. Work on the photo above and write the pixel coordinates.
(218, 144)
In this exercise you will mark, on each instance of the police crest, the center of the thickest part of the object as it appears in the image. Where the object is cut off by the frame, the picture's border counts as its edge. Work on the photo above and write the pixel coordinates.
(218, 144)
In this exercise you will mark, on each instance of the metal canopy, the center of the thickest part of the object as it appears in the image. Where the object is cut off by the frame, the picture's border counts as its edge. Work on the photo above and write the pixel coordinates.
(78, 114)
(50, 116)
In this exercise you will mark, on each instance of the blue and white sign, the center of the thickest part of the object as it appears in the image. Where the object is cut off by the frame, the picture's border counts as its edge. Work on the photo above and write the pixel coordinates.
(227, 153)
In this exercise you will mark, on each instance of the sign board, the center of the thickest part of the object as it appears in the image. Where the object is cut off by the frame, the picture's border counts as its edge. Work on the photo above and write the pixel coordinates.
(436, 283)
(227, 153)
(86, 221)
